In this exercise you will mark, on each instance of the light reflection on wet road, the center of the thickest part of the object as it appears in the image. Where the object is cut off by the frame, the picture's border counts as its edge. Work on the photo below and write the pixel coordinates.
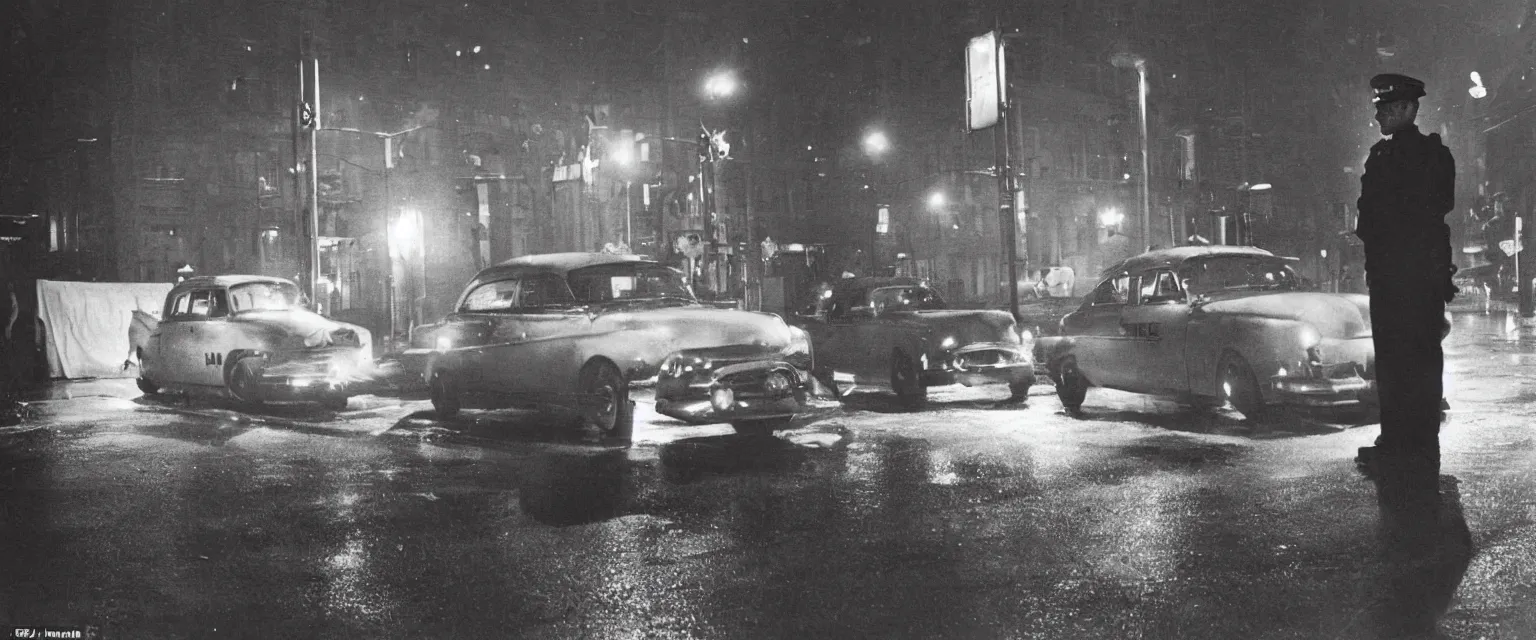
(1137, 520)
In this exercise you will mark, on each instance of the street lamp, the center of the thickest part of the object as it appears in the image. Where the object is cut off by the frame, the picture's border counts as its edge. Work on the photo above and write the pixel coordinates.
(1129, 61)
(720, 84)
(876, 143)
(936, 200)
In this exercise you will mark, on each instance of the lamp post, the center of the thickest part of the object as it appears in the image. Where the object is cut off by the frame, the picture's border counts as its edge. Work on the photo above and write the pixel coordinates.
(389, 230)
(1128, 61)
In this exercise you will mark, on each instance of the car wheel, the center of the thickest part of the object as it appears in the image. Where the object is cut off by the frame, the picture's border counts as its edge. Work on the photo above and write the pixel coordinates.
(1018, 390)
(907, 381)
(760, 428)
(334, 403)
(148, 386)
(445, 395)
(603, 395)
(1239, 388)
(245, 380)
(1071, 386)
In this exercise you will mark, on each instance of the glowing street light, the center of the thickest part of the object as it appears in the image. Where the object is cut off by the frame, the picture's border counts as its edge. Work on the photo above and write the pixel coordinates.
(720, 84)
(936, 200)
(1111, 217)
(876, 143)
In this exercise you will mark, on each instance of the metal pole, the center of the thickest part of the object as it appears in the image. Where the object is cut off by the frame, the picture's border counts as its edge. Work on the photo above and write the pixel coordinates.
(1006, 219)
(314, 192)
(629, 238)
(1146, 176)
(390, 296)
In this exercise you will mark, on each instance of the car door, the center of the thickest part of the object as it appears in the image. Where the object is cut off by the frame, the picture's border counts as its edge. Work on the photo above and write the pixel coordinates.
(182, 338)
(1156, 321)
(482, 332)
(542, 330)
(847, 353)
(213, 333)
(1101, 347)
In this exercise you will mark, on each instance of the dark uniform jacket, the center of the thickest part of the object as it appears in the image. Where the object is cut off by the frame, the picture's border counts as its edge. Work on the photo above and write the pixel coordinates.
(1408, 186)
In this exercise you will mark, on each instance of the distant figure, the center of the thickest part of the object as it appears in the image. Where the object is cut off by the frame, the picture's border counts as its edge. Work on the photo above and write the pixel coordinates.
(1406, 190)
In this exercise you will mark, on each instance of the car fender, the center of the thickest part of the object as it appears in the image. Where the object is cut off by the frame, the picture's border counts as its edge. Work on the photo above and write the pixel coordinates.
(1264, 343)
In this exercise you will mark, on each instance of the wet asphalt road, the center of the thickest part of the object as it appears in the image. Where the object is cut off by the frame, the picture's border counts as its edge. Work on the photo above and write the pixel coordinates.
(150, 519)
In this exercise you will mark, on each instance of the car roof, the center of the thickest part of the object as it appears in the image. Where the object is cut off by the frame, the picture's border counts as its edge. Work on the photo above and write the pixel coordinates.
(1179, 255)
(560, 263)
(227, 281)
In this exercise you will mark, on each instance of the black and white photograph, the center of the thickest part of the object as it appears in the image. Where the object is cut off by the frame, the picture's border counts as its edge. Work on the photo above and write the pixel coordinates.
(699, 319)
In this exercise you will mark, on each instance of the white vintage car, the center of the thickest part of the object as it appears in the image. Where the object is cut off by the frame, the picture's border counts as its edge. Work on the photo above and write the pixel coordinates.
(1215, 325)
(253, 337)
(569, 332)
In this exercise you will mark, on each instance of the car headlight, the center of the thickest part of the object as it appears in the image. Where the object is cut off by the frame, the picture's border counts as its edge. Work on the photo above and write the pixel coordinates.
(1025, 335)
(444, 343)
(948, 342)
(1310, 337)
(678, 364)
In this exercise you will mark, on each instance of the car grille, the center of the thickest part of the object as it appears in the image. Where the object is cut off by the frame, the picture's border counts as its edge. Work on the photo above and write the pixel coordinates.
(751, 383)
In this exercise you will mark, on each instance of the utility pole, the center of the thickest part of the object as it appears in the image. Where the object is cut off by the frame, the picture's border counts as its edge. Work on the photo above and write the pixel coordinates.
(1007, 220)
(314, 190)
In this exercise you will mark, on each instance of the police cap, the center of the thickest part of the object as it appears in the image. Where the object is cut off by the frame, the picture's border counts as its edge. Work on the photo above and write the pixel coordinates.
(1392, 87)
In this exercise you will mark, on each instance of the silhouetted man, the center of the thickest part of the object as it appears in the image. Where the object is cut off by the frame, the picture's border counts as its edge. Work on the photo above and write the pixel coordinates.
(1408, 187)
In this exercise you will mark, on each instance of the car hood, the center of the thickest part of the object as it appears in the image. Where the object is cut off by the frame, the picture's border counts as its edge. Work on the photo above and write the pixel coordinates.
(699, 327)
(1334, 315)
(966, 326)
(301, 327)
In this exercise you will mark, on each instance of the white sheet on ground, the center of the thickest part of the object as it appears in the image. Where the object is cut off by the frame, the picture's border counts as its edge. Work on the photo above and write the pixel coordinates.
(88, 324)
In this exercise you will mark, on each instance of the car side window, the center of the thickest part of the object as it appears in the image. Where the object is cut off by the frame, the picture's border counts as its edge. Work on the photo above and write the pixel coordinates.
(180, 306)
(542, 292)
(1112, 291)
(491, 297)
(206, 303)
(1160, 287)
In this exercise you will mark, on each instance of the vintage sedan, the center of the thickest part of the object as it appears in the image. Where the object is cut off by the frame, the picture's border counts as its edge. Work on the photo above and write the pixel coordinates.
(254, 338)
(898, 333)
(569, 333)
(1213, 325)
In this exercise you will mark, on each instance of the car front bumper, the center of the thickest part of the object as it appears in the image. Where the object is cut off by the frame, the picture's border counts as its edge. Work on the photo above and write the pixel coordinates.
(315, 376)
(756, 390)
(1328, 385)
(982, 364)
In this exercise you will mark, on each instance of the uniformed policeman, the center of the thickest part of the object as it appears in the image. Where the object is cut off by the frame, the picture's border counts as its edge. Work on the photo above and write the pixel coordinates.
(1408, 187)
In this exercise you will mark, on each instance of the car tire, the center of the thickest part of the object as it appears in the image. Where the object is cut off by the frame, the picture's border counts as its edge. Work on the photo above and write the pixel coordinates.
(445, 395)
(907, 381)
(603, 400)
(1071, 386)
(148, 386)
(244, 380)
(760, 428)
(1239, 388)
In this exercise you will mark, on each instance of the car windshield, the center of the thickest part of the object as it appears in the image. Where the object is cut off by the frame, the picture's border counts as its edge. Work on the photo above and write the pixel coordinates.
(628, 281)
(1238, 273)
(265, 296)
(909, 298)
